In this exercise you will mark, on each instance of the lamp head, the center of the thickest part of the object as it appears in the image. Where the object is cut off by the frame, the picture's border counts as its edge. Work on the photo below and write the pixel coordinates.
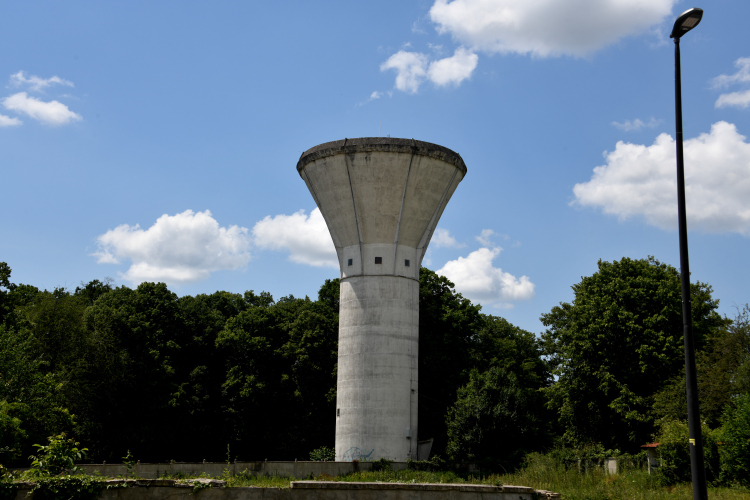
(687, 21)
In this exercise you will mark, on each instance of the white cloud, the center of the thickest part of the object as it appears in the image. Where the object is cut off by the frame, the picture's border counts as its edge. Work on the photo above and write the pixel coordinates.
(376, 95)
(484, 237)
(181, 248)
(545, 27)
(477, 279)
(442, 238)
(306, 238)
(51, 113)
(7, 121)
(411, 69)
(35, 83)
(738, 99)
(640, 180)
(742, 75)
(453, 70)
(636, 124)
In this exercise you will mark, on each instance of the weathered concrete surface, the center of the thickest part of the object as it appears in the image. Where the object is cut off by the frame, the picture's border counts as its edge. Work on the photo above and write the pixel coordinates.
(260, 468)
(216, 469)
(381, 199)
(315, 490)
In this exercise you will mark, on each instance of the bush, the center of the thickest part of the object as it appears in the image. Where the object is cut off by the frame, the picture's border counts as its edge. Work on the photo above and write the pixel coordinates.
(382, 464)
(735, 453)
(323, 454)
(58, 456)
(434, 464)
(674, 452)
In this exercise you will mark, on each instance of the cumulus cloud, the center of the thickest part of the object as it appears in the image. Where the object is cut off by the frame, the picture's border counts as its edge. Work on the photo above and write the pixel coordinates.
(545, 27)
(636, 124)
(305, 237)
(453, 70)
(742, 75)
(51, 113)
(413, 68)
(442, 238)
(35, 83)
(740, 99)
(182, 248)
(736, 99)
(639, 180)
(7, 121)
(484, 237)
(477, 279)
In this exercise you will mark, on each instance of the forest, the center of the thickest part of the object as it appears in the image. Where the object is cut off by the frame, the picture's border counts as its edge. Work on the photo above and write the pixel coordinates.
(228, 376)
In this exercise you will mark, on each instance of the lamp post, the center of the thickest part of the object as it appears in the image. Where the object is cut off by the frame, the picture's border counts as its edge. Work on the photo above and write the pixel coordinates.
(687, 21)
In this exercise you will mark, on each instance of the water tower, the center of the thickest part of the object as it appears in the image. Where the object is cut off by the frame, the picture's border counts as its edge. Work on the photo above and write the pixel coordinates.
(381, 199)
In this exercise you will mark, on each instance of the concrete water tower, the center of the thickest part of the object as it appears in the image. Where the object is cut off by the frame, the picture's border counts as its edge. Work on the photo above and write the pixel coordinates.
(381, 199)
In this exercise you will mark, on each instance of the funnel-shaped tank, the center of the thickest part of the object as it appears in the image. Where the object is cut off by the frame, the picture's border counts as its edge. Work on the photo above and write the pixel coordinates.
(381, 199)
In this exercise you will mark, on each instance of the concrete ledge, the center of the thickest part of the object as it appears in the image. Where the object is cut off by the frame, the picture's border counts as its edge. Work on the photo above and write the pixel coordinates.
(298, 470)
(167, 489)
(386, 144)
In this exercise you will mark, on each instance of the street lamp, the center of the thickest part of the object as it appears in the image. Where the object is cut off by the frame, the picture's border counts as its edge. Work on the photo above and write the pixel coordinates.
(687, 21)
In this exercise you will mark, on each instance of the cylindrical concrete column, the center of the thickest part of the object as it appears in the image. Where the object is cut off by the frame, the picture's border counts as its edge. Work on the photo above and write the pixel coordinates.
(377, 370)
(381, 199)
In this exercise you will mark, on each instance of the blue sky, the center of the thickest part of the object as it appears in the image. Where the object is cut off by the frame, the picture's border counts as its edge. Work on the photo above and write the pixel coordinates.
(158, 140)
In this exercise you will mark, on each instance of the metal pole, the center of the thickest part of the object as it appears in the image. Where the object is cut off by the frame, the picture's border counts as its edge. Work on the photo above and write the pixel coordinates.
(697, 465)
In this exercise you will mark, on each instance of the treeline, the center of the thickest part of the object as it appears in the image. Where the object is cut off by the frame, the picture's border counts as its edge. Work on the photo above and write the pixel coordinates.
(216, 376)
(225, 375)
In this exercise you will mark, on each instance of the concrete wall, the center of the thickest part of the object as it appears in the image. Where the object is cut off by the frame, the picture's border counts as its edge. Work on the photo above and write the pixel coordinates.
(265, 468)
(318, 490)
(216, 469)
(381, 199)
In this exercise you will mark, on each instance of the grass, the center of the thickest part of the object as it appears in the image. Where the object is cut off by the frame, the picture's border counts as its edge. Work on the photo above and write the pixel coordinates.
(543, 475)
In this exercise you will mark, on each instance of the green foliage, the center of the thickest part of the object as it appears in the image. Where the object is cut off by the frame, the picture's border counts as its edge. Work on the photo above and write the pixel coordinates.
(129, 462)
(735, 433)
(434, 464)
(723, 374)
(495, 418)
(674, 452)
(8, 489)
(455, 339)
(382, 465)
(323, 454)
(32, 405)
(60, 455)
(68, 488)
(616, 345)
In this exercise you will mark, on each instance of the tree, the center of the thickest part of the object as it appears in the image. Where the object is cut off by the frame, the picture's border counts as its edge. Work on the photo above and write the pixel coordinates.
(616, 345)
(723, 370)
(735, 454)
(495, 418)
(499, 414)
(447, 326)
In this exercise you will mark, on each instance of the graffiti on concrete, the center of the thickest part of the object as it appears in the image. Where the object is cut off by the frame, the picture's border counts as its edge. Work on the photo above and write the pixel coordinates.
(355, 453)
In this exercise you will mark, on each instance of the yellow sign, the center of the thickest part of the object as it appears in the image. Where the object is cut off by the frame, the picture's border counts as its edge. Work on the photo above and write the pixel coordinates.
(692, 441)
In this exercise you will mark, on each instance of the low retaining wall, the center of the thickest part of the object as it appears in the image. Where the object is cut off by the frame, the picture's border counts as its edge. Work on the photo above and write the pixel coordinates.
(216, 469)
(166, 489)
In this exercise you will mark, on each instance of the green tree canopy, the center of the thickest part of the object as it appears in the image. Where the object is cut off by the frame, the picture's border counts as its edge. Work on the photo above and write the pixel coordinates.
(616, 345)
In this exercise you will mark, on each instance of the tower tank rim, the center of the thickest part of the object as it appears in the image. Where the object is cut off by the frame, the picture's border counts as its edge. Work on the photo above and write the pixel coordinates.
(384, 144)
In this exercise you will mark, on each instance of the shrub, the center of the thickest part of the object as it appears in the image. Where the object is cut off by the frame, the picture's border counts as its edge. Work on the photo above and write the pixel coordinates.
(58, 456)
(323, 454)
(735, 433)
(674, 452)
(382, 465)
